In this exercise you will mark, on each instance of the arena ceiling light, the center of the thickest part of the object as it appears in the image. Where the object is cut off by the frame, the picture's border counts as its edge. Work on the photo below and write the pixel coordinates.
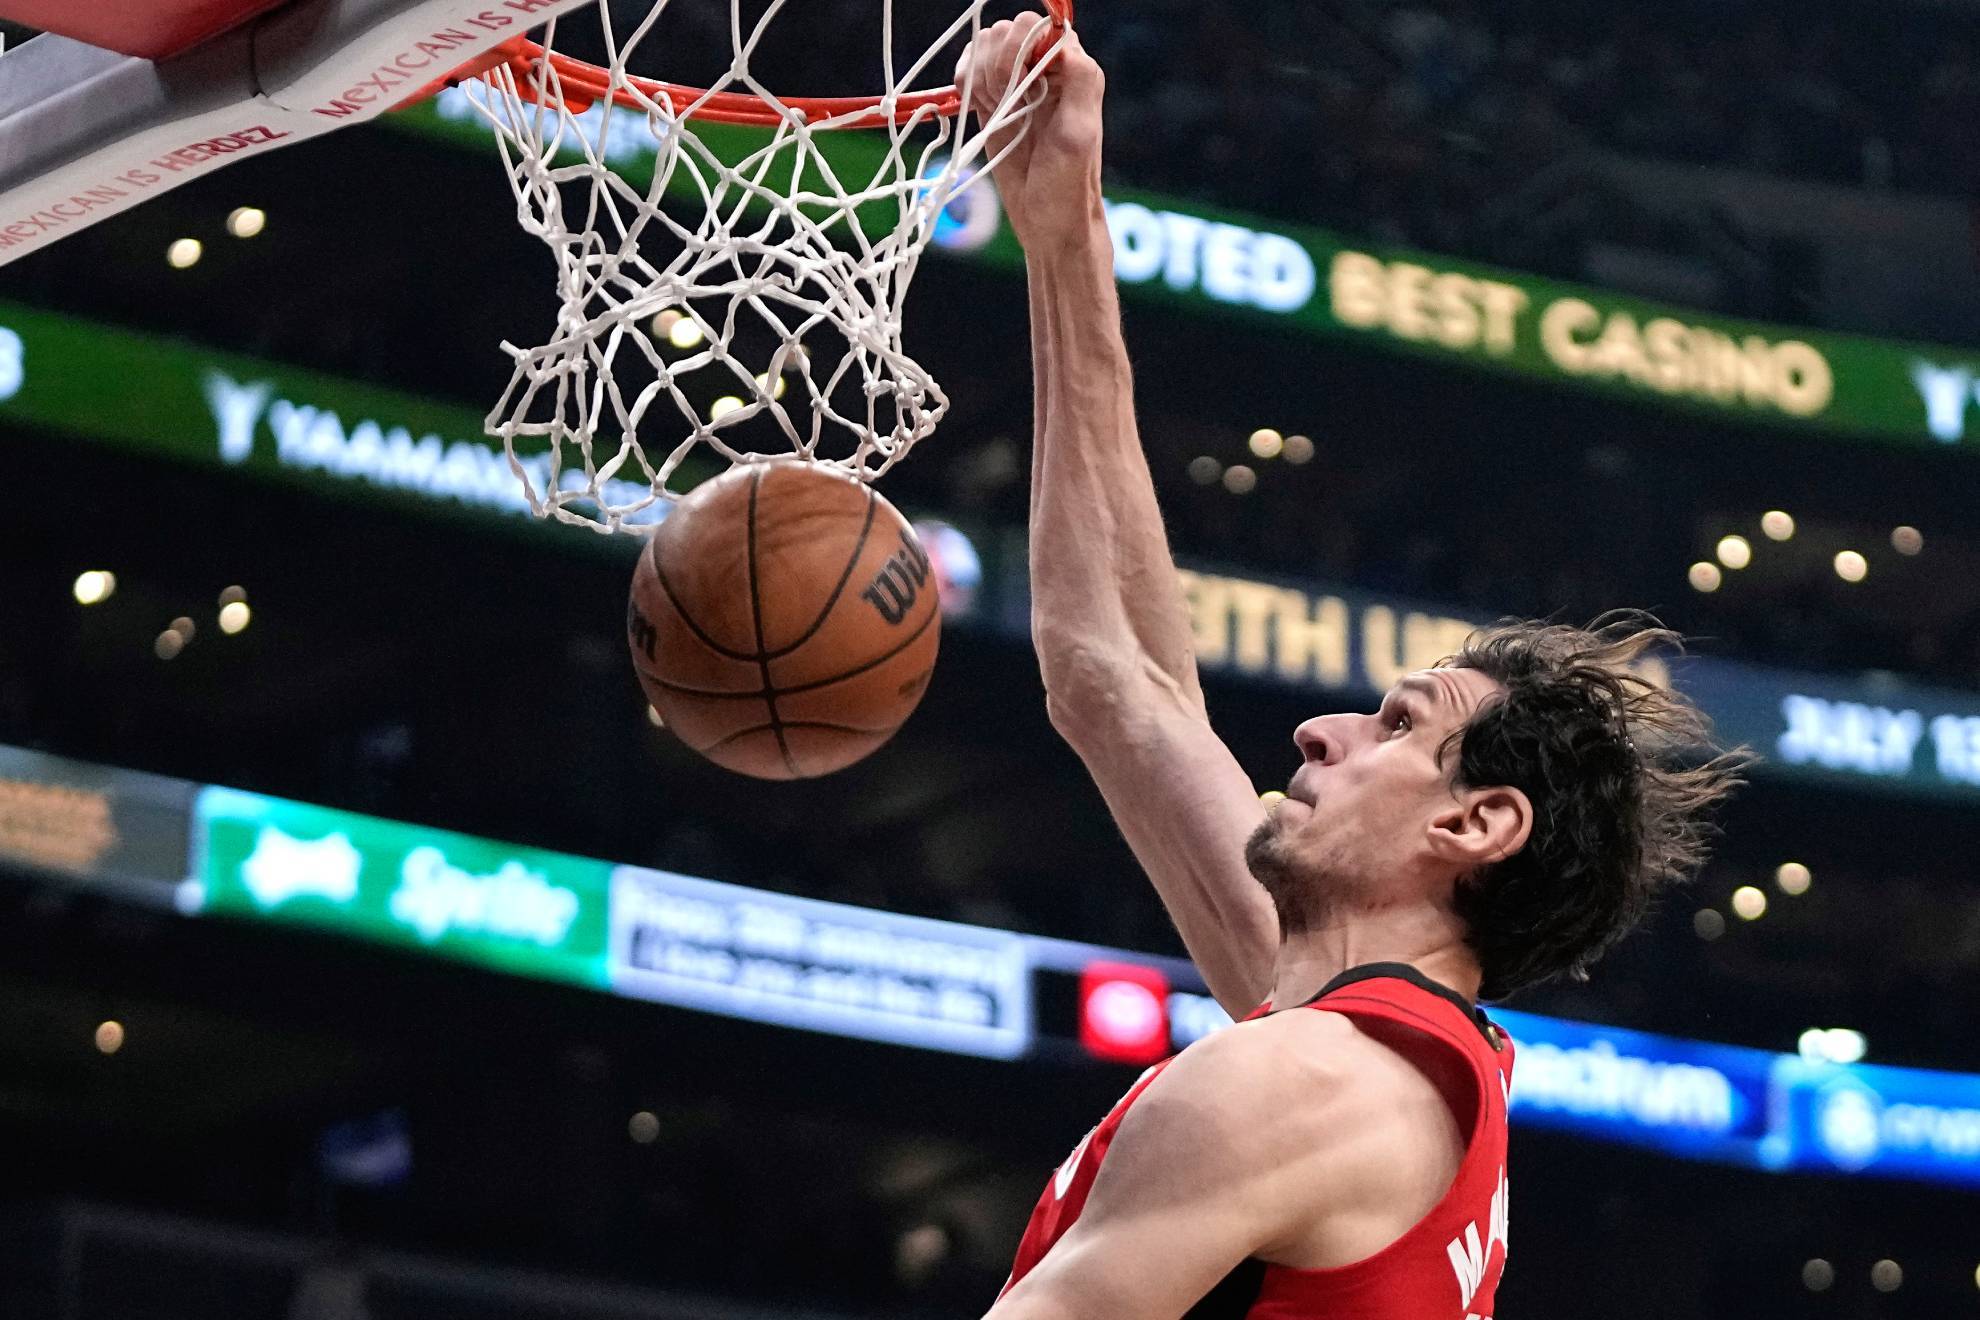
(685, 333)
(1777, 525)
(94, 587)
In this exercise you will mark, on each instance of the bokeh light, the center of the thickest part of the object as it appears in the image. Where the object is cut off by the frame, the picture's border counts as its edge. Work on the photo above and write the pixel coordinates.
(95, 586)
(1266, 443)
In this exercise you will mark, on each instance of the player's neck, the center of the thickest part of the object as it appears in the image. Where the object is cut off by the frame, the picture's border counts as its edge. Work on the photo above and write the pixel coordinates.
(1429, 941)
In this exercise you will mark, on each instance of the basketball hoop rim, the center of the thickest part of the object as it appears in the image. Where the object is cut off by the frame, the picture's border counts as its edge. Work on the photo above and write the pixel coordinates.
(584, 84)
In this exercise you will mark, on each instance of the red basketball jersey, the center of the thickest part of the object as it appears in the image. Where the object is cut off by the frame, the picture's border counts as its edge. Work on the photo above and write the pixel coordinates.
(1447, 1266)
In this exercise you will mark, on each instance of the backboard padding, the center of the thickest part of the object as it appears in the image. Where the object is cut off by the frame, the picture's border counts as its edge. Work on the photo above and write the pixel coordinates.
(148, 29)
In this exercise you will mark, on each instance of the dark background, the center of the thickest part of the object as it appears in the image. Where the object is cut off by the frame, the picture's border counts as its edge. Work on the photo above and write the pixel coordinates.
(471, 676)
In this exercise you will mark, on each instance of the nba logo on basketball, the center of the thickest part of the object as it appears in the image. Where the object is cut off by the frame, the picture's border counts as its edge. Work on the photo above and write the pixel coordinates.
(899, 581)
(1124, 1012)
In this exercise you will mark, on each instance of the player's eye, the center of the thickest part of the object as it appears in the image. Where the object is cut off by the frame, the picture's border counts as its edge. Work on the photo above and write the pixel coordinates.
(1399, 721)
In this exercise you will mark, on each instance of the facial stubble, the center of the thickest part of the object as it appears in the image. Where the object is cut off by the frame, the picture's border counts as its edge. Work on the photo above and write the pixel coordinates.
(1298, 897)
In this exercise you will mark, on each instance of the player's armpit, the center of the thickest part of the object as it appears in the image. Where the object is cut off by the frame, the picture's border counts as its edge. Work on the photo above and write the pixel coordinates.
(1222, 1158)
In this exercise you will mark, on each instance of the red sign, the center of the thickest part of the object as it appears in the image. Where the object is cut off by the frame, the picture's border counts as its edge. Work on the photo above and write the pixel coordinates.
(1124, 1012)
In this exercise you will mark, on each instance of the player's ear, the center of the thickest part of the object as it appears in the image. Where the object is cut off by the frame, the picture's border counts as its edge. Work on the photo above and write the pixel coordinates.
(1481, 826)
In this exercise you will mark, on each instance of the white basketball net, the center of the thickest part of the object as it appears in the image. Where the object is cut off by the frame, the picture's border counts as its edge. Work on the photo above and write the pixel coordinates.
(773, 281)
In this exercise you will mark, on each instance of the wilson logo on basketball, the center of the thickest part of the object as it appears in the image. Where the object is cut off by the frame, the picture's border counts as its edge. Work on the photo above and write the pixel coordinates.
(898, 583)
(640, 632)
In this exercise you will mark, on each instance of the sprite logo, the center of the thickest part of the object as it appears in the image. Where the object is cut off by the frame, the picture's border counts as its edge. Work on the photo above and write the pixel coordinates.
(435, 896)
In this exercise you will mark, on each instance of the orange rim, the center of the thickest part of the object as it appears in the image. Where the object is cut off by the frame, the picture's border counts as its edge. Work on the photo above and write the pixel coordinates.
(583, 85)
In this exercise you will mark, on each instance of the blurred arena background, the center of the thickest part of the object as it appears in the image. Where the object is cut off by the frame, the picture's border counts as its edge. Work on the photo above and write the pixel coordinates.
(1441, 311)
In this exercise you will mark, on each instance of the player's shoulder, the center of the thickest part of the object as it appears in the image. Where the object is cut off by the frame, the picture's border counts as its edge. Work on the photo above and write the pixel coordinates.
(1299, 1079)
(1287, 1076)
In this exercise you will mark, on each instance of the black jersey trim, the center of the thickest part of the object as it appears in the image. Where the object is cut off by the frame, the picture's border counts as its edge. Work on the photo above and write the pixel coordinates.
(1405, 972)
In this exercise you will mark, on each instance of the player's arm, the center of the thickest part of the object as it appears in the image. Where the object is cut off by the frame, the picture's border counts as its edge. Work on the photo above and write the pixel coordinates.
(1217, 1161)
(1108, 617)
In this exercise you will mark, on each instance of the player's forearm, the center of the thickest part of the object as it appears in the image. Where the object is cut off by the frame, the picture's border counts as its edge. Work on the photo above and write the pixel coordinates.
(1107, 610)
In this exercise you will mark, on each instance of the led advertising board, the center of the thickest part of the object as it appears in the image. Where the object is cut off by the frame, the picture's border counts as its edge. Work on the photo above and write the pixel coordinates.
(516, 909)
(1325, 284)
(1880, 733)
(775, 958)
(191, 404)
(94, 824)
(797, 962)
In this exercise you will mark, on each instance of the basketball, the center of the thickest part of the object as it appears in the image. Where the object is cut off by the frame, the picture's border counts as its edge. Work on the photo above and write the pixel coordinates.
(783, 620)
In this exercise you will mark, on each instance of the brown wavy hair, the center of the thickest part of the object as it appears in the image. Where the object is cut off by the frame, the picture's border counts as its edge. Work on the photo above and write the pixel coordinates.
(1623, 774)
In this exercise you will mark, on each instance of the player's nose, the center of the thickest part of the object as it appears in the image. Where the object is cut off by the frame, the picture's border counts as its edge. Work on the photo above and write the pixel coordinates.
(1319, 740)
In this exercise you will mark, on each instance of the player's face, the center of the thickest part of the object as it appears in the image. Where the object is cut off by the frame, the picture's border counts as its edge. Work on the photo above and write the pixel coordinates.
(1358, 813)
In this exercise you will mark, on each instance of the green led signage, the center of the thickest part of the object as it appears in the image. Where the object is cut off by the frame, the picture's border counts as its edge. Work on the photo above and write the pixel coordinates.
(1328, 285)
(516, 909)
(177, 401)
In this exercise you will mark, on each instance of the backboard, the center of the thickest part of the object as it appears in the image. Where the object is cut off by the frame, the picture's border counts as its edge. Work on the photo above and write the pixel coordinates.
(114, 104)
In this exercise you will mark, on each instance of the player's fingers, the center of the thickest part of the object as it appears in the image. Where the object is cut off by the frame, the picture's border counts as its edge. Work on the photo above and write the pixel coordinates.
(1074, 71)
(991, 56)
(978, 68)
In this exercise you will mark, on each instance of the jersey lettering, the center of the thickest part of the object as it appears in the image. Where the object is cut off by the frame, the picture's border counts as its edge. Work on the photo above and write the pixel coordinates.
(1062, 1181)
(1468, 1253)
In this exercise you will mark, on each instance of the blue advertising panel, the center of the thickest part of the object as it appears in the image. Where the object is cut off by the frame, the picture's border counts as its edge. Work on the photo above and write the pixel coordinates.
(860, 972)
(1900, 1122)
(1686, 1098)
